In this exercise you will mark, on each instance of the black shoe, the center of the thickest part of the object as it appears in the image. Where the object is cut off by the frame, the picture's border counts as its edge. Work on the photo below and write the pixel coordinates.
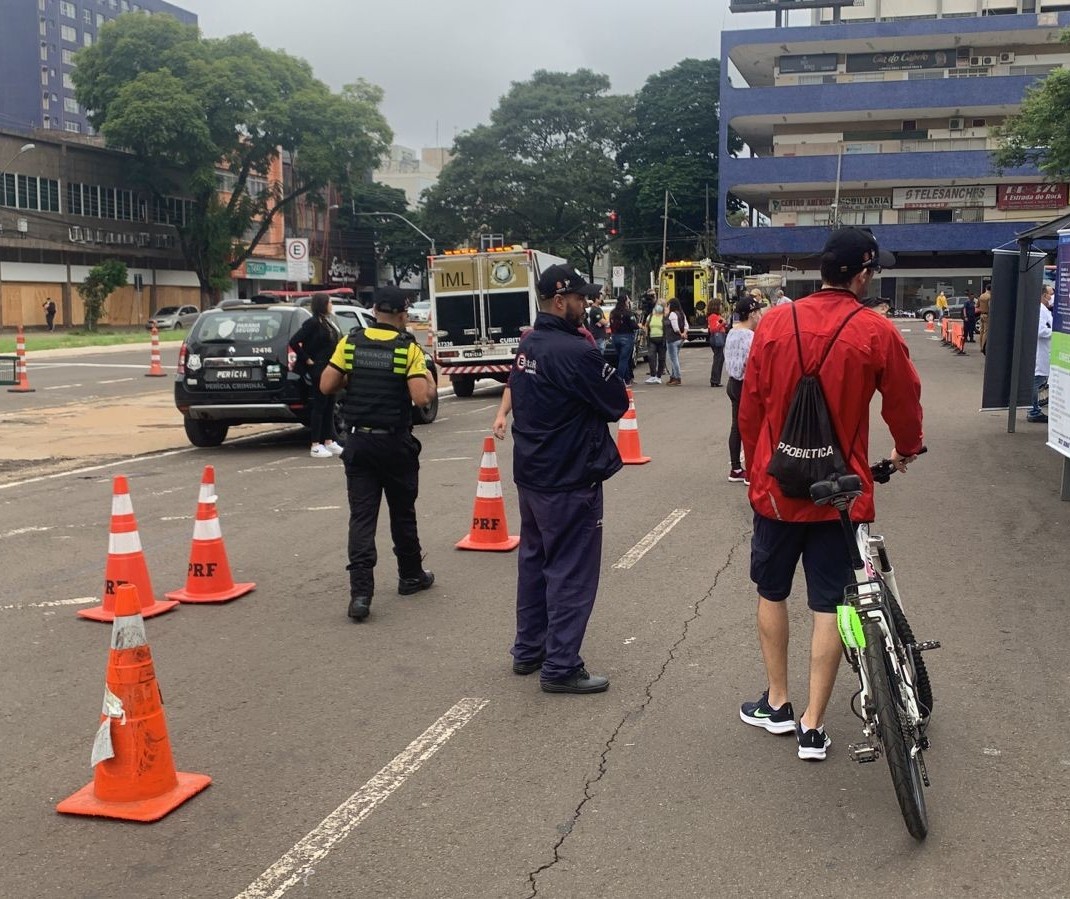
(360, 607)
(409, 585)
(529, 667)
(578, 682)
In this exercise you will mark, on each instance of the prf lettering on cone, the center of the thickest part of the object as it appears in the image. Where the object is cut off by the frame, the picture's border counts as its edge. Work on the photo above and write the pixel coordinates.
(126, 561)
(631, 452)
(208, 578)
(489, 531)
(134, 776)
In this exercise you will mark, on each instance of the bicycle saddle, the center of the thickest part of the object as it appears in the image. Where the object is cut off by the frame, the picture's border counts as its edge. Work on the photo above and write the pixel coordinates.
(824, 492)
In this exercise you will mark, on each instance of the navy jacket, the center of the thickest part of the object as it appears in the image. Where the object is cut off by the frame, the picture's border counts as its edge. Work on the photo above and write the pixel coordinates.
(564, 396)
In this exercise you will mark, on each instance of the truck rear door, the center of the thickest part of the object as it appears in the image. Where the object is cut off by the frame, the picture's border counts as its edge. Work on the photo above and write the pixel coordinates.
(507, 300)
(456, 313)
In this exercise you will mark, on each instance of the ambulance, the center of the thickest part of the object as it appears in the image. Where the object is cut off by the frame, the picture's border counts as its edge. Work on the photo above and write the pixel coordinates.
(482, 302)
(698, 285)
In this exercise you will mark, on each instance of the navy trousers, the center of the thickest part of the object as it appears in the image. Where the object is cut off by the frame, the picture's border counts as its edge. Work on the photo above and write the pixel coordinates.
(557, 576)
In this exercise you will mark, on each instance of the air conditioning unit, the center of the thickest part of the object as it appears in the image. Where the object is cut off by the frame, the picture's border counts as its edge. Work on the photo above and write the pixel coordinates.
(988, 60)
(1006, 57)
(955, 124)
(963, 54)
(975, 60)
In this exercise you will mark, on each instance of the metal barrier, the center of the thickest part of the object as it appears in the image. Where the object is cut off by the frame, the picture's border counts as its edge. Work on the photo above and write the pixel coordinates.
(9, 370)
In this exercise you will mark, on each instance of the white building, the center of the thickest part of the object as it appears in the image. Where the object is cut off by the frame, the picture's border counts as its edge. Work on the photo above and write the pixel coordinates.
(413, 174)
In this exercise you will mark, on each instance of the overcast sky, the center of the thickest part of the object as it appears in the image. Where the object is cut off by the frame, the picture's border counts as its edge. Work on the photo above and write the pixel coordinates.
(445, 63)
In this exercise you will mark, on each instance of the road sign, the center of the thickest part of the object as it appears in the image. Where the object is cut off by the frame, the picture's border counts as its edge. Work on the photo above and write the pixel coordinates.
(297, 259)
(618, 276)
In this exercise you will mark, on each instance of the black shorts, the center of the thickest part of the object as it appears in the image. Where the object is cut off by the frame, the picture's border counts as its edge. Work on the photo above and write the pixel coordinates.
(774, 555)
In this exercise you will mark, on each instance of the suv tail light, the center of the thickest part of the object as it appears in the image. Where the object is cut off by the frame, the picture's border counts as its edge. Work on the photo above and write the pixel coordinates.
(182, 351)
(291, 360)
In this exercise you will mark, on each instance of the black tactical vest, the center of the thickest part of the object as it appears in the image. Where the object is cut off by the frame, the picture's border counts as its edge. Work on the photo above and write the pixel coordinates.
(378, 392)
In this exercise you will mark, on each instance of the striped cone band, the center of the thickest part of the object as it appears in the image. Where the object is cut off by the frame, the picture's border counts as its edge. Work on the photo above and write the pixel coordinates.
(628, 423)
(121, 504)
(207, 528)
(124, 543)
(207, 493)
(128, 632)
(489, 489)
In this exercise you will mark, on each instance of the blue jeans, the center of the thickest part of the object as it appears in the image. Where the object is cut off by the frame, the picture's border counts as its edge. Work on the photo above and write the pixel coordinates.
(624, 343)
(672, 354)
(1038, 382)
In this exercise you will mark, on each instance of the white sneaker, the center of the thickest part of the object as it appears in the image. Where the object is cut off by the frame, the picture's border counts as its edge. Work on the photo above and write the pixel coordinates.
(656, 381)
(334, 448)
(319, 451)
(651, 380)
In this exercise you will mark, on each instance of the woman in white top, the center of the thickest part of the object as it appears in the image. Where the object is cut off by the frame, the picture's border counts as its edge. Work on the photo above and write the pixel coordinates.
(675, 335)
(736, 350)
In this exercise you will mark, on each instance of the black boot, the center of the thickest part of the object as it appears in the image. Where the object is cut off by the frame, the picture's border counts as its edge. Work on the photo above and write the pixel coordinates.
(409, 585)
(361, 588)
(360, 607)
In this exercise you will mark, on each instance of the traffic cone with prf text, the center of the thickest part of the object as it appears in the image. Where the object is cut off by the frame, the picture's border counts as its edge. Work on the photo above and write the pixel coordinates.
(631, 452)
(489, 530)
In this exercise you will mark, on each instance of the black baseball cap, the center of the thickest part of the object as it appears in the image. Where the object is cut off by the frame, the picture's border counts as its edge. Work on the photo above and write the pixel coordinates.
(561, 279)
(390, 299)
(850, 250)
(745, 307)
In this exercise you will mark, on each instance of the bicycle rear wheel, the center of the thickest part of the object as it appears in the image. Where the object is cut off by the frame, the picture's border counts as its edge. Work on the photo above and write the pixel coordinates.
(896, 734)
(906, 638)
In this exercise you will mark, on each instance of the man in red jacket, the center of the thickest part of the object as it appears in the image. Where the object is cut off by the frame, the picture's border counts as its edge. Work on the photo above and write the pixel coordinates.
(868, 355)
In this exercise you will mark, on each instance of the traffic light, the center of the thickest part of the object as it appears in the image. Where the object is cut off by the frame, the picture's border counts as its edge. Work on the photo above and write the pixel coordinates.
(612, 224)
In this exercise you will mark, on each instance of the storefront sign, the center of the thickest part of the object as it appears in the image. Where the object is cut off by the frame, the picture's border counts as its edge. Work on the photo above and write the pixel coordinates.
(944, 197)
(815, 62)
(341, 271)
(1059, 378)
(792, 204)
(773, 5)
(1032, 196)
(900, 60)
(262, 270)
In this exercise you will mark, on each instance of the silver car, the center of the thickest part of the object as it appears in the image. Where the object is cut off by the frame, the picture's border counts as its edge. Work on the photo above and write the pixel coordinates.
(173, 318)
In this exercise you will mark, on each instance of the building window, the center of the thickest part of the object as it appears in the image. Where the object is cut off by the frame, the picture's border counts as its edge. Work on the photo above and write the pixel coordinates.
(41, 5)
(70, 105)
(72, 127)
(67, 10)
(44, 52)
(87, 39)
(100, 19)
(124, 6)
(69, 34)
(44, 76)
(68, 81)
(68, 57)
(41, 29)
(44, 100)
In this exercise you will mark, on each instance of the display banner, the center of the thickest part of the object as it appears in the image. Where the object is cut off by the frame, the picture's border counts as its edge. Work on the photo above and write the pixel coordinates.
(1059, 379)
(999, 348)
(1031, 196)
(898, 60)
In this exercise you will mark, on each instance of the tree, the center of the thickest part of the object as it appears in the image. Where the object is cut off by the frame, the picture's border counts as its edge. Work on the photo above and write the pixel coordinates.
(189, 108)
(673, 147)
(98, 285)
(396, 244)
(542, 171)
(1039, 134)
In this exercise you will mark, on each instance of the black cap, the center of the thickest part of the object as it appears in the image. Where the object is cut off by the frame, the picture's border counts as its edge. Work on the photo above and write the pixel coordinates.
(745, 307)
(561, 279)
(850, 250)
(391, 299)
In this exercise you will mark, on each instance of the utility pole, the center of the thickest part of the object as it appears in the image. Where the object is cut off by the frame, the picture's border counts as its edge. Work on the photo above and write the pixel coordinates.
(835, 218)
(665, 229)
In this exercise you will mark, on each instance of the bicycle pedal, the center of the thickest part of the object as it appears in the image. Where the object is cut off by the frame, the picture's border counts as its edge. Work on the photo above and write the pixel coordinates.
(863, 752)
(926, 645)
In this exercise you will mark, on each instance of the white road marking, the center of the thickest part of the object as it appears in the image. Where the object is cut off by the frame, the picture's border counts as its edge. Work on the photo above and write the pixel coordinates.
(85, 365)
(18, 531)
(115, 381)
(177, 518)
(477, 431)
(476, 411)
(309, 509)
(452, 459)
(62, 387)
(78, 601)
(297, 864)
(644, 546)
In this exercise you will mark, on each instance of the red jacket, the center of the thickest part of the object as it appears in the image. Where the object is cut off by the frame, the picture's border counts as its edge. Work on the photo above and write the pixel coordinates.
(869, 355)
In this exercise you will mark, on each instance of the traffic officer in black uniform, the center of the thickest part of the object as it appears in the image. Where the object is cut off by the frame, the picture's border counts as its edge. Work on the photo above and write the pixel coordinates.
(563, 397)
(383, 371)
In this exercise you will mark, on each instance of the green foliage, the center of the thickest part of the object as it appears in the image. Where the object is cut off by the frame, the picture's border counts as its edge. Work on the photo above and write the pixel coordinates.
(396, 243)
(1039, 135)
(98, 285)
(186, 107)
(543, 171)
(673, 148)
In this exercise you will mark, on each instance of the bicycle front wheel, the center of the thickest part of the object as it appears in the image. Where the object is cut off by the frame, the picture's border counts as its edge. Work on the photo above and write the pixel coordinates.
(895, 733)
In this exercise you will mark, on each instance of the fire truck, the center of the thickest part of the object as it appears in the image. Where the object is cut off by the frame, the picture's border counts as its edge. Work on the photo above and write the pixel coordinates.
(697, 285)
(482, 301)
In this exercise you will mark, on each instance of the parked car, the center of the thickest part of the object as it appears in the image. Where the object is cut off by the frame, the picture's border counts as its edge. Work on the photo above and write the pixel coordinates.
(420, 311)
(236, 367)
(954, 309)
(173, 318)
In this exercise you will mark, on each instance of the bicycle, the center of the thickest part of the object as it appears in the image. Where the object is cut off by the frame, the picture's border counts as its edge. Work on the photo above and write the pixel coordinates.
(894, 699)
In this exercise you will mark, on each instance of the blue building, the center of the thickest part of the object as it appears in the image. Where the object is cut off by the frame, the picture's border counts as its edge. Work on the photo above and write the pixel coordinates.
(38, 40)
(885, 119)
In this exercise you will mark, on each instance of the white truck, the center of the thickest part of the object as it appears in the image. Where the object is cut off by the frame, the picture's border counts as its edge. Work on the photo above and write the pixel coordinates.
(482, 301)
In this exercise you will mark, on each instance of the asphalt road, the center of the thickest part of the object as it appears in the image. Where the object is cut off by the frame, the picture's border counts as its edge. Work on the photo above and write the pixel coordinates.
(653, 789)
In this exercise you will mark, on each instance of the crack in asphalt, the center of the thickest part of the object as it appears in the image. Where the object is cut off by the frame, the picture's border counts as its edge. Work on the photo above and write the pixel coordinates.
(603, 761)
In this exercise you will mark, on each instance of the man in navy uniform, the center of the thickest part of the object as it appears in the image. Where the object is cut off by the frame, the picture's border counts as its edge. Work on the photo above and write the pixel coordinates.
(383, 371)
(563, 397)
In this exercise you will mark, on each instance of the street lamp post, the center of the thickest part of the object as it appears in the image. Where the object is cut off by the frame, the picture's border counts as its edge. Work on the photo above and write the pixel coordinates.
(397, 215)
(25, 148)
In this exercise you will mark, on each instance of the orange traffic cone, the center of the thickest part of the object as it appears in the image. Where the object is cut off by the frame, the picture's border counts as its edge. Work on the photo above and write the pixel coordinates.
(20, 352)
(929, 326)
(126, 561)
(134, 775)
(631, 453)
(208, 578)
(155, 369)
(489, 529)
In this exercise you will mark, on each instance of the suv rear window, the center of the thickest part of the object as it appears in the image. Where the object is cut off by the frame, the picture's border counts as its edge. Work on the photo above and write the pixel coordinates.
(252, 326)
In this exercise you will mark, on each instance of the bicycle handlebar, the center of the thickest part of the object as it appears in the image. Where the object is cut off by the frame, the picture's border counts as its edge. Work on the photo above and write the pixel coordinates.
(882, 472)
